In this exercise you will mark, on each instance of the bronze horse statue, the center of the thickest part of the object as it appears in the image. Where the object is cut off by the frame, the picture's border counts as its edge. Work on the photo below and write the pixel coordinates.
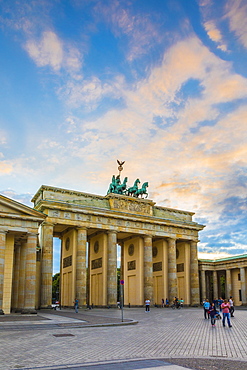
(121, 188)
(132, 190)
(142, 190)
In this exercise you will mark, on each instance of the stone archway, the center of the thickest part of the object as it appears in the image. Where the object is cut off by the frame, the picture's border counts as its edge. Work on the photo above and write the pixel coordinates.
(103, 221)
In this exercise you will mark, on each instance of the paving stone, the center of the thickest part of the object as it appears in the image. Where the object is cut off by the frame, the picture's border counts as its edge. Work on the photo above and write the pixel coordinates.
(178, 337)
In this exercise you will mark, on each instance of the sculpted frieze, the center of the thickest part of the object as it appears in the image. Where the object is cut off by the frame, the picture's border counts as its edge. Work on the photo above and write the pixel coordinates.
(131, 206)
(102, 222)
(55, 213)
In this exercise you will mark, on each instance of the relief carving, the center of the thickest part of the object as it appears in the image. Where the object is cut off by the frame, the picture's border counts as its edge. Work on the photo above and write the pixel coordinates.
(130, 206)
(96, 264)
(131, 265)
(157, 266)
(67, 261)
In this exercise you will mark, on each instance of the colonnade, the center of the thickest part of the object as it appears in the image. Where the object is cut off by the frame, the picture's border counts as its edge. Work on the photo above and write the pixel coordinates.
(17, 272)
(224, 281)
(79, 266)
(2, 263)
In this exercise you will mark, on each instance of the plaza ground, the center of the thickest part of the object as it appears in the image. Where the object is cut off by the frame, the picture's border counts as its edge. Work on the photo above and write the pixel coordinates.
(98, 339)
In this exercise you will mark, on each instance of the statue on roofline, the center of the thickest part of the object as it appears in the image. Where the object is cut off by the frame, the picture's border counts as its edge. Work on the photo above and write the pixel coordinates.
(116, 187)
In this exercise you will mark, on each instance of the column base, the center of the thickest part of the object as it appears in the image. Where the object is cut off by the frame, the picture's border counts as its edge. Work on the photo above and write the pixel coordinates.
(28, 311)
(44, 307)
(18, 310)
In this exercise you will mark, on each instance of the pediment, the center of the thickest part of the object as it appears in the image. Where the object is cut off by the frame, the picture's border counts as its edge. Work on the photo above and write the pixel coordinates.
(12, 208)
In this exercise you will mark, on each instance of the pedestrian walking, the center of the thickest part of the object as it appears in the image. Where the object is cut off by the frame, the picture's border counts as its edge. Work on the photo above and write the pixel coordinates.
(212, 312)
(220, 301)
(231, 306)
(226, 313)
(206, 306)
(147, 303)
(76, 305)
(162, 302)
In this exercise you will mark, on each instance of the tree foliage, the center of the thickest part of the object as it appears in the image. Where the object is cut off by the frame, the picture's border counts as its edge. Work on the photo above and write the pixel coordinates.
(55, 286)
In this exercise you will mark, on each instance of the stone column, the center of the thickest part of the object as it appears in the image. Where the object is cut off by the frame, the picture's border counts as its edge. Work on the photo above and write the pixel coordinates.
(46, 264)
(88, 273)
(30, 275)
(243, 286)
(81, 268)
(22, 274)
(203, 284)
(112, 269)
(2, 262)
(16, 276)
(122, 259)
(148, 269)
(215, 285)
(228, 284)
(172, 269)
(194, 278)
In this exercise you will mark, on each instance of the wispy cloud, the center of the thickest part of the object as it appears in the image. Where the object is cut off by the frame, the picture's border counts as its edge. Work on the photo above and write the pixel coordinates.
(212, 24)
(139, 29)
(181, 125)
(50, 51)
(215, 35)
(236, 12)
(209, 157)
(46, 52)
(6, 168)
(3, 137)
(22, 198)
(85, 93)
(214, 256)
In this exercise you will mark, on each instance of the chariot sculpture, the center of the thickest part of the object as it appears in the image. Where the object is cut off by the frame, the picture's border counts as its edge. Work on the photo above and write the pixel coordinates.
(116, 187)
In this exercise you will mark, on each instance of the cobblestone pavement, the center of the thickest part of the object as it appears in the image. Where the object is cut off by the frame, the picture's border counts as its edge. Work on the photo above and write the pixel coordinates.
(161, 338)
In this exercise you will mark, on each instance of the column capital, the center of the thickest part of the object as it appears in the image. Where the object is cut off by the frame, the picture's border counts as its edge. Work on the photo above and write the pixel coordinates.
(2, 231)
(47, 223)
(171, 241)
(111, 232)
(81, 228)
(194, 241)
(147, 236)
(32, 234)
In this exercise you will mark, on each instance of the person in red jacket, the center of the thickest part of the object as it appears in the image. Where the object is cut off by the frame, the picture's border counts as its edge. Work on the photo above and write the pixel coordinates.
(226, 313)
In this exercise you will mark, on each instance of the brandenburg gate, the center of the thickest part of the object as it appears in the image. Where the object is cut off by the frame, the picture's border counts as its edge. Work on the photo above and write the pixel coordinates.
(158, 247)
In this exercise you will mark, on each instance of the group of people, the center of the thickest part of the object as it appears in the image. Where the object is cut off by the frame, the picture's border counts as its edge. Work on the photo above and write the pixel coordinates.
(176, 302)
(164, 303)
(213, 310)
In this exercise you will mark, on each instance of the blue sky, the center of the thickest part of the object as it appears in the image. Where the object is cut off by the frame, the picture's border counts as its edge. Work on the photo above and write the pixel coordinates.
(159, 84)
